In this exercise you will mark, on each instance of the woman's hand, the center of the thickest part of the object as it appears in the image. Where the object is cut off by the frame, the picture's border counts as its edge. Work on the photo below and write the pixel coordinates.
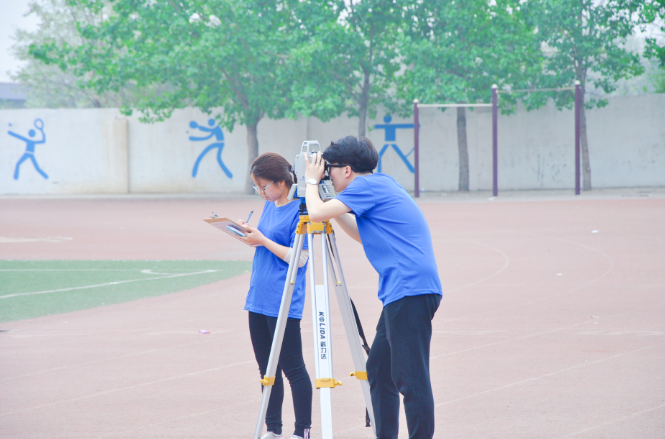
(316, 168)
(254, 236)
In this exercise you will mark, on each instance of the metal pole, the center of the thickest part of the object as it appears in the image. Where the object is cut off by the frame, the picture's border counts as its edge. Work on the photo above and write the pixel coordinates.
(578, 100)
(495, 154)
(416, 148)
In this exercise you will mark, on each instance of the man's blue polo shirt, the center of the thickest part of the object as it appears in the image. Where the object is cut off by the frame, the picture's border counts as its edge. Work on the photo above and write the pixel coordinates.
(395, 236)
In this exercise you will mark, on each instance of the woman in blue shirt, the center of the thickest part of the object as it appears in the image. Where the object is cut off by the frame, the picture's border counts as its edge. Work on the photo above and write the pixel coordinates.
(275, 235)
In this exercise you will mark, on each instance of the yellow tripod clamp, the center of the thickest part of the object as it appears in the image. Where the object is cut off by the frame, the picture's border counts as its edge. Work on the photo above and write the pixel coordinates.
(327, 382)
(359, 375)
(268, 381)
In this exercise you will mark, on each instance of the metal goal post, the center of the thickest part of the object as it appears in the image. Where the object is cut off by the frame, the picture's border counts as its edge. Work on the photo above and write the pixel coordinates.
(495, 133)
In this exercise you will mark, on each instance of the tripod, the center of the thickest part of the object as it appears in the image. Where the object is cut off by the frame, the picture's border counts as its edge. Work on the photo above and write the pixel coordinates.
(331, 266)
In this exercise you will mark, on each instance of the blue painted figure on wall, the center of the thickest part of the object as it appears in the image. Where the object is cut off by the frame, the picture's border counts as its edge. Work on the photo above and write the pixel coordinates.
(219, 145)
(30, 147)
(391, 129)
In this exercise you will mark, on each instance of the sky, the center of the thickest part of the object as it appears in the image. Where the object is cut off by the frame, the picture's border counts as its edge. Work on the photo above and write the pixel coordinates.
(11, 18)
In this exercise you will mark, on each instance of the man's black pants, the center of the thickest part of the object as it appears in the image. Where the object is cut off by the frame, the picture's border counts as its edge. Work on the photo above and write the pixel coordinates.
(399, 363)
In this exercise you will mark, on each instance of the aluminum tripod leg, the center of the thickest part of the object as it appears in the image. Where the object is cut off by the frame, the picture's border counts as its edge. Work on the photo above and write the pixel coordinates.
(350, 327)
(276, 348)
(321, 335)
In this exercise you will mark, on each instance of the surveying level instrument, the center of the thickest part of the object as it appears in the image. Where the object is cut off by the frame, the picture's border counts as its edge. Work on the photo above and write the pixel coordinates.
(331, 270)
(326, 190)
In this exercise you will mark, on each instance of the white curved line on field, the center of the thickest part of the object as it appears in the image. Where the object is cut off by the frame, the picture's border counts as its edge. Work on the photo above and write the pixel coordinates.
(149, 271)
(105, 284)
(579, 287)
(83, 269)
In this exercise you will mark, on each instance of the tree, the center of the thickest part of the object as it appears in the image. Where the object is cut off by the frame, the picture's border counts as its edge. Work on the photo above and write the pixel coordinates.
(455, 51)
(654, 26)
(581, 37)
(209, 54)
(347, 58)
(48, 86)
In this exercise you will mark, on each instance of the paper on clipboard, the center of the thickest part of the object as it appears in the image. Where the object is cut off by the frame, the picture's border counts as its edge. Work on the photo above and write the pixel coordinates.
(228, 226)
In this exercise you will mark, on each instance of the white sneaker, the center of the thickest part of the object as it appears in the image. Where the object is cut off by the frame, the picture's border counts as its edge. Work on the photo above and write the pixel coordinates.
(271, 435)
(296, 437)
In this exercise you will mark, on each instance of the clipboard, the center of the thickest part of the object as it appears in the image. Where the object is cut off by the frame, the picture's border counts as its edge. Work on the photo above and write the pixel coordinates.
(229, 227)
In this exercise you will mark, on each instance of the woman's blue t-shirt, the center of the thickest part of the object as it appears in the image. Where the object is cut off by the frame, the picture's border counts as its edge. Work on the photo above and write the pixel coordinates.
(268, 271)
(395, 236)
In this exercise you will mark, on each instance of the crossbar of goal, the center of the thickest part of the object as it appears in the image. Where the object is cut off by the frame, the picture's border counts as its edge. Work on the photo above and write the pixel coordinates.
(452, 105)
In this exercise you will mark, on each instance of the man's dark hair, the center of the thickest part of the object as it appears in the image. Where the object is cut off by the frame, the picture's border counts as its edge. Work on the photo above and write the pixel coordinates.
(357, 152)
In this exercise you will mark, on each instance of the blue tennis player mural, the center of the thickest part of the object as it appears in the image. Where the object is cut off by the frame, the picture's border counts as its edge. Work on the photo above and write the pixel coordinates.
(219, 145)
(391, 129)
(30, 148)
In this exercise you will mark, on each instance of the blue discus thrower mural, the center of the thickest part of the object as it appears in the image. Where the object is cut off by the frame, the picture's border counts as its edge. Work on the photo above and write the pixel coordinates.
(219, 145)
(390, 136)
(30, 147)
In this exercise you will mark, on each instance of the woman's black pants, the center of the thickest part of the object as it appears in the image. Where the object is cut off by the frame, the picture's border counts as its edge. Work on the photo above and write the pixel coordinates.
(262, 330)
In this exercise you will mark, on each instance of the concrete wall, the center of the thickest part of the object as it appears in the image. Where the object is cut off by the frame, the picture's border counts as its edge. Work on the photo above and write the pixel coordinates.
(101, 151)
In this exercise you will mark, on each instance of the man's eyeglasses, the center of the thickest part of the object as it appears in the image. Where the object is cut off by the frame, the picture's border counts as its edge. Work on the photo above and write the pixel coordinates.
(328, 166)
(261, 189)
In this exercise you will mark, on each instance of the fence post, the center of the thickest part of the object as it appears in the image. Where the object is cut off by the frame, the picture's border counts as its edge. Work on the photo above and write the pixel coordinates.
(416, 147)
(495, 154)
(578, 100)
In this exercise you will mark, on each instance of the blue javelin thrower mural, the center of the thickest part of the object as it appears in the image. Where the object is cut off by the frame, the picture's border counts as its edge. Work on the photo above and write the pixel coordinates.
(391, 129)
(219, 145)
(30, 148)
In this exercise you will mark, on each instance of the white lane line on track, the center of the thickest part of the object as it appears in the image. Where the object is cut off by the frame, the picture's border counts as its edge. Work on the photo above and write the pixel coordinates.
(106, 284)
(535, 334)
(545, 332)
(506, 262)
(126, 388)
(179, 418)
(217, 339)
(577, 366)
(595, 427)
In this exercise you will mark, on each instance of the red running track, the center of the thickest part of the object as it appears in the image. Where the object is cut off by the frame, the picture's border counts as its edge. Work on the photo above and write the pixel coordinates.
(546, 330)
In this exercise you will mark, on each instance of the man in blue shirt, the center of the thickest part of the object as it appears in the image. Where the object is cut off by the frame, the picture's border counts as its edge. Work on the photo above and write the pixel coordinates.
(377, 212)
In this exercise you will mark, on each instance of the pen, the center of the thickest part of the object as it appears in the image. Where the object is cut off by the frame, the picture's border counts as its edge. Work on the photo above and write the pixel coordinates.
(250, 215)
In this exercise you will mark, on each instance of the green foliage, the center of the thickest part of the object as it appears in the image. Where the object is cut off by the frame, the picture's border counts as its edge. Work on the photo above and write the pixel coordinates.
(346, 58)
(654, 25)
(454, 51)
(584, 36)
(657, 79)
(280, 58)
(49, 86)
(205, 54)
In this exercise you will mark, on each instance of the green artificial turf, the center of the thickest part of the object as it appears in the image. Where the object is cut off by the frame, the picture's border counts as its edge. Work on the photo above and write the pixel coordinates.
(87, 284)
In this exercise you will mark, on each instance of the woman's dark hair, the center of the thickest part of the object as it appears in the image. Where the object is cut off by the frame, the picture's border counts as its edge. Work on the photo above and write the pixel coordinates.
(357, 152)
(272, 167)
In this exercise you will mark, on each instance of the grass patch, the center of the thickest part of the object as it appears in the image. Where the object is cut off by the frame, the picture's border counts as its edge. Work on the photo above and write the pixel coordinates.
(88, 284)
